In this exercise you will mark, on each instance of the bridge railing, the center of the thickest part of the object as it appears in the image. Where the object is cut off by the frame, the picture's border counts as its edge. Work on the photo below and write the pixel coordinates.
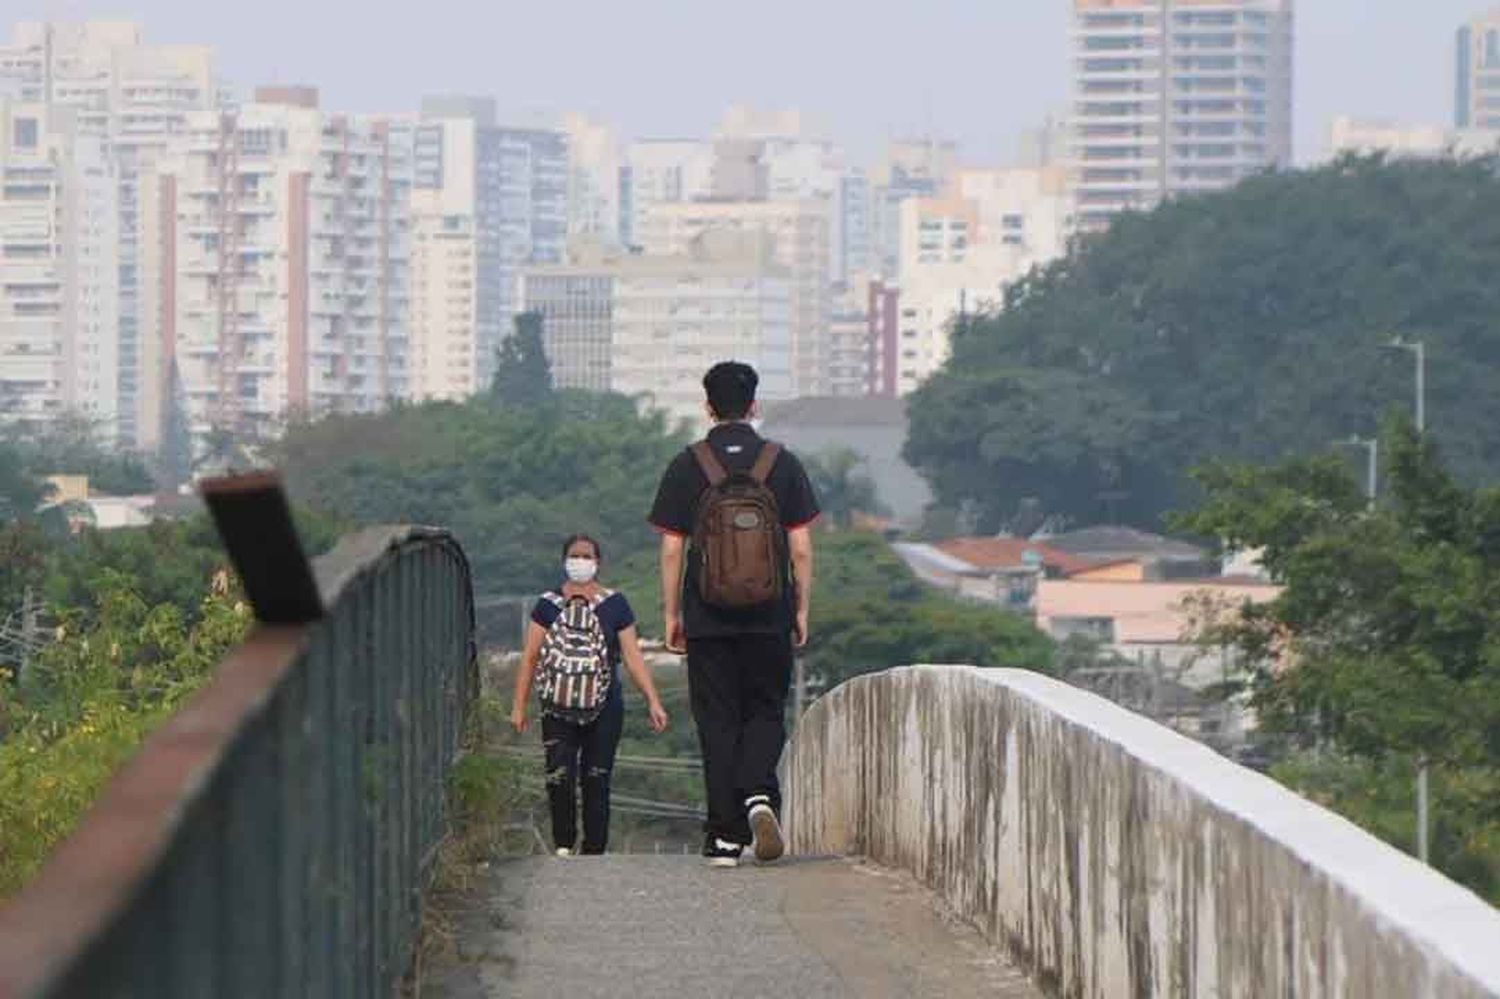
(1111, 856)
(271, 839)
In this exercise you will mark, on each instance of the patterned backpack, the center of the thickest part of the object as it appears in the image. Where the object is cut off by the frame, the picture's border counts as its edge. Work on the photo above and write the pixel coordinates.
(573, 667)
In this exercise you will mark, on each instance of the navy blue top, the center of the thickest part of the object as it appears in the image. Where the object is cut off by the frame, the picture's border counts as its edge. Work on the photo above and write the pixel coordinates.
(614, 614)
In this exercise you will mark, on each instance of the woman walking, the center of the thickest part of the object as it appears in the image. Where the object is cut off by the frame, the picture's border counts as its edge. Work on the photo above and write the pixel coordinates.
(577, 638)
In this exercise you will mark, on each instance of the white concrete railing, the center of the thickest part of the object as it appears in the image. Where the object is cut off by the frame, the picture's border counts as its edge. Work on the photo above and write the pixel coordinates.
(1111, 856)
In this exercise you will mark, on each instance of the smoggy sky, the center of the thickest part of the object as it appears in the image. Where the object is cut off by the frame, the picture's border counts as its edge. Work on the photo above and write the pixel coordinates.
(976, 70)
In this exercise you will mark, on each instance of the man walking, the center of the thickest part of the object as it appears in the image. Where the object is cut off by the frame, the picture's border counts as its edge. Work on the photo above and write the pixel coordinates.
(735, 513)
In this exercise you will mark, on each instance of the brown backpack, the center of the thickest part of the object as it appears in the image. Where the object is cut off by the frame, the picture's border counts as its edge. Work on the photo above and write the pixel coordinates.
(738, 533)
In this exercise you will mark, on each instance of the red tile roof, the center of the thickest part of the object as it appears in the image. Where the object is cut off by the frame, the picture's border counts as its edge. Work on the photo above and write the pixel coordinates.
(1008, 553)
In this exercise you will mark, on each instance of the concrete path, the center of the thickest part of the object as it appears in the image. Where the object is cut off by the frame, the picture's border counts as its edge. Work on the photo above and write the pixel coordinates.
(670, 926)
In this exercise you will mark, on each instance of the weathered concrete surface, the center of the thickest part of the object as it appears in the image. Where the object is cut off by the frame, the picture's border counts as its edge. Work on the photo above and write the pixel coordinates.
(669, 926)
(1110, 856)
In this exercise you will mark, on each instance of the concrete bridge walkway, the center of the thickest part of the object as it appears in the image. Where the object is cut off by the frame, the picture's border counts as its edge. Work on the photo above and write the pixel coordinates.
(647, 926)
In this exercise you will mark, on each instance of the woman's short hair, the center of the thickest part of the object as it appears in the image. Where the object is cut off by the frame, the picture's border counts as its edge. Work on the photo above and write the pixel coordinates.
(573, 539)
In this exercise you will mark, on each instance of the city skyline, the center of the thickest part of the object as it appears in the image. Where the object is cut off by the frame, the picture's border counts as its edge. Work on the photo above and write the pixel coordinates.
(1395, 63)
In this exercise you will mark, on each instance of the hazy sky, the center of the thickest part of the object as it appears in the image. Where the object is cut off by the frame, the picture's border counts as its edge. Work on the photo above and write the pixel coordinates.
(977, 70)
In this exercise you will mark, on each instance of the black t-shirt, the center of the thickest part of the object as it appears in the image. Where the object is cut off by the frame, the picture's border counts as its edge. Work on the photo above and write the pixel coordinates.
(676, 508)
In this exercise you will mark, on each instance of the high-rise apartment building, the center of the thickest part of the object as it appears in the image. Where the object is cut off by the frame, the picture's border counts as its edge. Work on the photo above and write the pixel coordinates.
(648, 325)
(136, 98)
(59, 264)
(799, 231)
(1176, 97)
(960, 253)
(1477, 99)
(913, 168)
(595, 160)
(661, 172)
(487, 202)
(283, 263)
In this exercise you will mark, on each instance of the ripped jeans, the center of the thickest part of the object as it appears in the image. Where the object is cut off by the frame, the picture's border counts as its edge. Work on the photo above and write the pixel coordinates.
(592, 748)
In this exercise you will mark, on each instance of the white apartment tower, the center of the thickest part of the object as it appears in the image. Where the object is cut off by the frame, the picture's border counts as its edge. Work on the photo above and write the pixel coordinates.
(1176, 97)
(649, 326)
(59, 303)
(800, 233)
(284, 259)
(487, 202)
(135, 98)
(1477, 100)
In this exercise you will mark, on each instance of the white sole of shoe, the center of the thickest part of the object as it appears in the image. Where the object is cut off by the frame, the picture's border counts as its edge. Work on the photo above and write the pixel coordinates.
(723, 862)
(769, 844)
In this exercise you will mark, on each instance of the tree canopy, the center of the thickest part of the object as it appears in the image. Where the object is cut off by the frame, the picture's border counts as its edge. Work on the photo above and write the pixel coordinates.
(512, 482)
(1385, 642)
(1247, 324)
(523, 375)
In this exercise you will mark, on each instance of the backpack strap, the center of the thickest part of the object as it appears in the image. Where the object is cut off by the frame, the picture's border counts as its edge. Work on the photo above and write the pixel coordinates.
(708, 461)
(765, 462)
(555, 599)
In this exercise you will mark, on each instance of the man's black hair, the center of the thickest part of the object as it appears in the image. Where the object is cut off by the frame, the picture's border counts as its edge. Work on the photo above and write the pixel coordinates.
(730, 386)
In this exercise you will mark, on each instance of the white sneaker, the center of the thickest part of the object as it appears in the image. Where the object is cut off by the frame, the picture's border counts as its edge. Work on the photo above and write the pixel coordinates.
(722, 853)
(563, 851)
(769, 843)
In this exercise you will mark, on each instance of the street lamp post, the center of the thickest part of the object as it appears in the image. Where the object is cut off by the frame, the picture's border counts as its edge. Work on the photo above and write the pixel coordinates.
(1419, 354)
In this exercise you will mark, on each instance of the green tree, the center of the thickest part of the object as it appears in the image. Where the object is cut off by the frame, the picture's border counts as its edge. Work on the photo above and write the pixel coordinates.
(842, 489)
(1385, 641)
(523, 376)
(1247, 325)
(72, 445)
(88, 704)
(512, 482)
(21, 490)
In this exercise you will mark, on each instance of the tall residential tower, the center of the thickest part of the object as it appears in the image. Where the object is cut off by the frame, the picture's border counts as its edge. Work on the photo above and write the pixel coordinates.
(1176, 97)
(1477, 100)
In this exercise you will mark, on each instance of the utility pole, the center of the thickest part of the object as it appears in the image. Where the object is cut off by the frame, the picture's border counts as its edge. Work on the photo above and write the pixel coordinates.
(1419, 355)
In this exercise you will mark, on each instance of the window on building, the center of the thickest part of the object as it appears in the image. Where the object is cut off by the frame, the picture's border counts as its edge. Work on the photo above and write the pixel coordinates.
(26, 133)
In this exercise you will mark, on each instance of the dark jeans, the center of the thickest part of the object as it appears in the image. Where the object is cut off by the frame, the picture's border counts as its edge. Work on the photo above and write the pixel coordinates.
(739, 687)
(591, 747)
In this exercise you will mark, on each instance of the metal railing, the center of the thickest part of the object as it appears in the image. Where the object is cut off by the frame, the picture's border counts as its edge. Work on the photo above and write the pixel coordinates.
(272, 838)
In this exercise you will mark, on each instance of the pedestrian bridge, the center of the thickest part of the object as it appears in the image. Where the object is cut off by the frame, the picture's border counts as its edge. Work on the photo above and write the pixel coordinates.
(273, 839)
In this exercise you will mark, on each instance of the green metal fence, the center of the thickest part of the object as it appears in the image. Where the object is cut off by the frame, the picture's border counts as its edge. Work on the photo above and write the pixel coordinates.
(273, 837)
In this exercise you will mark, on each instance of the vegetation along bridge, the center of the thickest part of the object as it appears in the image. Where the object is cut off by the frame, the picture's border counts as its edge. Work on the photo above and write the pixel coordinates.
(274, 838)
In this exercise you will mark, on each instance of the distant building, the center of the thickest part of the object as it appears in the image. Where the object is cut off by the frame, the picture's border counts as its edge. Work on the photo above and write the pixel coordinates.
(595, 160)
(283, 266)
(848, 351)
(59, 258)
(488, 201)
(1161, 557)
(883, 316)
(1175, 97)
(875, 429)
(1152, 621)
(135, 99)
(650, 325)
(913, 168)
(661, 172)
(1477, 97)
(1407, 141)
(798, 231)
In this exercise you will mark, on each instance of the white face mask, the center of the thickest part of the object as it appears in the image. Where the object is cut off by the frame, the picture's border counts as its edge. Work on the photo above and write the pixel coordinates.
(581, 570)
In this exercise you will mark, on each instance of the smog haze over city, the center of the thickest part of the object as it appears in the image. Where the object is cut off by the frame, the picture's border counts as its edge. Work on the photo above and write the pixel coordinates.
(1138, 358)
(978, 71)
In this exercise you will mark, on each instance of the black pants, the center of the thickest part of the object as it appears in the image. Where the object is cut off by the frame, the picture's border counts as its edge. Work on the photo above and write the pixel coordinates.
(739, 688)
(591, 747)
